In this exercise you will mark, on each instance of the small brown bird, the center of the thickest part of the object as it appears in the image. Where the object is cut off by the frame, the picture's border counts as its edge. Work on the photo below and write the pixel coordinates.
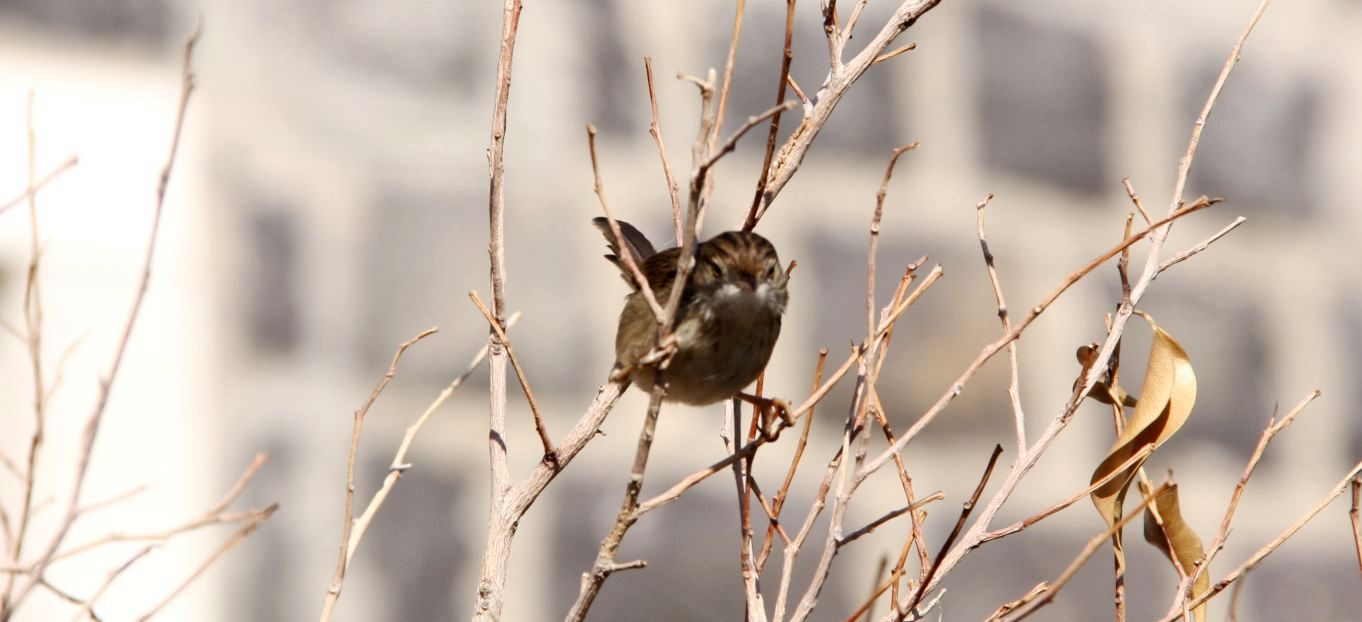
(727, 322)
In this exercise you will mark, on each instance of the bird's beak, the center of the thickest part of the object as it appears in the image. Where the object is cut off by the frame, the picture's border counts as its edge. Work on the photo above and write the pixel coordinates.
(748, 282)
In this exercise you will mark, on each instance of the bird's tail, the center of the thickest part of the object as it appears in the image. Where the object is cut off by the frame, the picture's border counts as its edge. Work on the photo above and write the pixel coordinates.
(635, 243)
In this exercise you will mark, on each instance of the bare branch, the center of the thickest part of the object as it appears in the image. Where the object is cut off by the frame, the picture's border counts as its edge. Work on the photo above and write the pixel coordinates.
(492, 582)
(91, 431)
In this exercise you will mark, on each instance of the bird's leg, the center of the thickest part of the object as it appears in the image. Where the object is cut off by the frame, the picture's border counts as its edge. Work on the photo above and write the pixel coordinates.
(764, 405)
(662, 354)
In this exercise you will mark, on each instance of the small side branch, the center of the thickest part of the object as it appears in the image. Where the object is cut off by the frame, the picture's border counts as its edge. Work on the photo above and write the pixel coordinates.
(229, 544)
(1353, 515)
(1014, 381)
(655, 129)
(539, 428)
(965, 511)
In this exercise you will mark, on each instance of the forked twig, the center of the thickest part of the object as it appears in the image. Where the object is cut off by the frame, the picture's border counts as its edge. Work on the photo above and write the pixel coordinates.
(347, 519)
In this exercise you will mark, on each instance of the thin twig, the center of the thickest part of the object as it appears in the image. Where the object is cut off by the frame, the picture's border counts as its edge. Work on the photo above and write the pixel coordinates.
(1235, 593)
(1014, 380)
(87, 608)
(880, 196)
(786, 57)
(965, 511)
(228, 545)
(28, 193)
(1183, 593)
(91, 430)
(874, 590)
(111, 500)
(1137, 457)
(1045, 597)
(1201, 246)
(742, 469)
(888, 516)
(347, 519)
(778, 502)
(1268, 548)
(732, 142)
(1135, 198)
(215, 515)
(626, 257)
(733, 39)
(539, 428)
(655, 129)
(1353, 516)
(33, 327)
(399, 464)
(838, 81)
(803, 99)
(888, 55)
(605, 564)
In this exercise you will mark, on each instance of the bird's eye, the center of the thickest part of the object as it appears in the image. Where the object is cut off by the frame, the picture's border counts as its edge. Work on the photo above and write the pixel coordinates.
(770, 273)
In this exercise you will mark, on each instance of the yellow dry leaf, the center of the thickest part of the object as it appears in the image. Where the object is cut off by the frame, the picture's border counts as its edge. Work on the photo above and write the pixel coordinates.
(1165, 403)
(1186, 546)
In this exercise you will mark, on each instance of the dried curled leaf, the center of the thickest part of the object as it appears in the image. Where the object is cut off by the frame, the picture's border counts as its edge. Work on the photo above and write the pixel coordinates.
(1186, 547)
(1166, 401)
